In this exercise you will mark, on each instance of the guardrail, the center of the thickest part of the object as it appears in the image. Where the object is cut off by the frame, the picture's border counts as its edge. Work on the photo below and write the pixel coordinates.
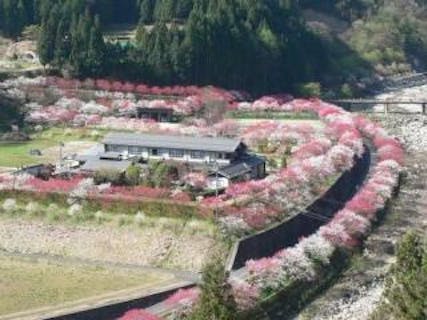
(362, 105)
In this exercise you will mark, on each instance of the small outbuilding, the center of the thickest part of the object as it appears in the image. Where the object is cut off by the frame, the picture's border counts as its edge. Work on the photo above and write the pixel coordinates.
(247, 168)
(156, 114)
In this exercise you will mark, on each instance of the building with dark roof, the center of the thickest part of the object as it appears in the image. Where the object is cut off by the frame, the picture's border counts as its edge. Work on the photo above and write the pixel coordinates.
(156, 114)
(246, 168)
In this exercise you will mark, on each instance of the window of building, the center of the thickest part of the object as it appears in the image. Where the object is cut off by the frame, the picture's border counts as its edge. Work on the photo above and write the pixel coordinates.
(197, 154)
(154, 152)
(176, 153)
(135, 150)
(117, 148)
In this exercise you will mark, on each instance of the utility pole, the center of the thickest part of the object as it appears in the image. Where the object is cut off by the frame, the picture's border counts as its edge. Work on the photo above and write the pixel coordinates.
(61, 145)
(215, 166)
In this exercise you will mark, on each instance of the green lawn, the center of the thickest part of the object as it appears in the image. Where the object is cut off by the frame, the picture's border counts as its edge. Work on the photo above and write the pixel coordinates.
(13, 154)
(27, 284)
(17, 154)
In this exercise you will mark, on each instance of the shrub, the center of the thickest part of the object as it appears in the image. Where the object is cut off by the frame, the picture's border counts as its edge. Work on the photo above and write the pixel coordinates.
(346, 91)
(140, 217)
(406, 287)
(309, 90)
(99, 216)
(53, 215)
(32, 208)
(52, 208)
(132, 175)
(215, 301)
(74, 210)
(108, 176)
(10, 205)
(122, 219)
(162, 174)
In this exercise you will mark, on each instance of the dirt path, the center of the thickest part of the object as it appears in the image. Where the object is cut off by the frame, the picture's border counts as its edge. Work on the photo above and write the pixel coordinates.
(357, 292)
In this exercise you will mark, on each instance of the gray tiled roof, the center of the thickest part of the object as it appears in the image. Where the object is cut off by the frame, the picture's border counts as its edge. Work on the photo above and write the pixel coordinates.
(173, 142)
(96, 164)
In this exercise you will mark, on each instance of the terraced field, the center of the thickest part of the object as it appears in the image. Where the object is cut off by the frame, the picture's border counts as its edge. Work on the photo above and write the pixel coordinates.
(32, 283)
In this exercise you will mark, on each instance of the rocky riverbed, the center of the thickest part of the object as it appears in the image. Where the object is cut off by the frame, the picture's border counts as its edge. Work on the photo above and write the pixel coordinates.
(418, 93)
(410, 129)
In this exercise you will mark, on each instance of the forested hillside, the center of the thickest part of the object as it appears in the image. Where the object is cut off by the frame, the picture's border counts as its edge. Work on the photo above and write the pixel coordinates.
(259, 46)
(391, 35)
(10, 112)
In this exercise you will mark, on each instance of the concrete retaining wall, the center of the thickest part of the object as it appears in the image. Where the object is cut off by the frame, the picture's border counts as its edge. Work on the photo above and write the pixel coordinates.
(113, 311)
(268, 242)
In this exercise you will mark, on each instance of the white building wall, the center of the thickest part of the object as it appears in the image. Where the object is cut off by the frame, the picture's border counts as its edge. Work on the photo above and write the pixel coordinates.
(163, 154)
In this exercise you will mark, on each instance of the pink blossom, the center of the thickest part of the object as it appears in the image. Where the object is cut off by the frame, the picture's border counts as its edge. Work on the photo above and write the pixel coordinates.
(337, 235)
(245, 295)
(139, 314)
(364, 203)
(196, 180)
(296, 264)
(137, 192)
(263, 265)
(391, 152)
(355, 225)
(183, 296)
(53, 185)
(317, 248)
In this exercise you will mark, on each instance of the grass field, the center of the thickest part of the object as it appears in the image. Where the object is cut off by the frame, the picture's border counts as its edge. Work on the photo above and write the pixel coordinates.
(30, 284)
(315, 123)
(16, 154)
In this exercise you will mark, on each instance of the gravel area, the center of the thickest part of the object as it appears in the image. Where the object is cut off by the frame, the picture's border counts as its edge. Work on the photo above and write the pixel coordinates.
(410, 129)
(150, 246)
(360, 305)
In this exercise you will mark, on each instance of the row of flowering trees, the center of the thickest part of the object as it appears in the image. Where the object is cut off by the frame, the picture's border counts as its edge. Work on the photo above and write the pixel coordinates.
(73, 110)
(254, 205)
(78, 100)
(278, 103)
(122, 87)
(82, 188)
(346, 230)
(137, 88)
